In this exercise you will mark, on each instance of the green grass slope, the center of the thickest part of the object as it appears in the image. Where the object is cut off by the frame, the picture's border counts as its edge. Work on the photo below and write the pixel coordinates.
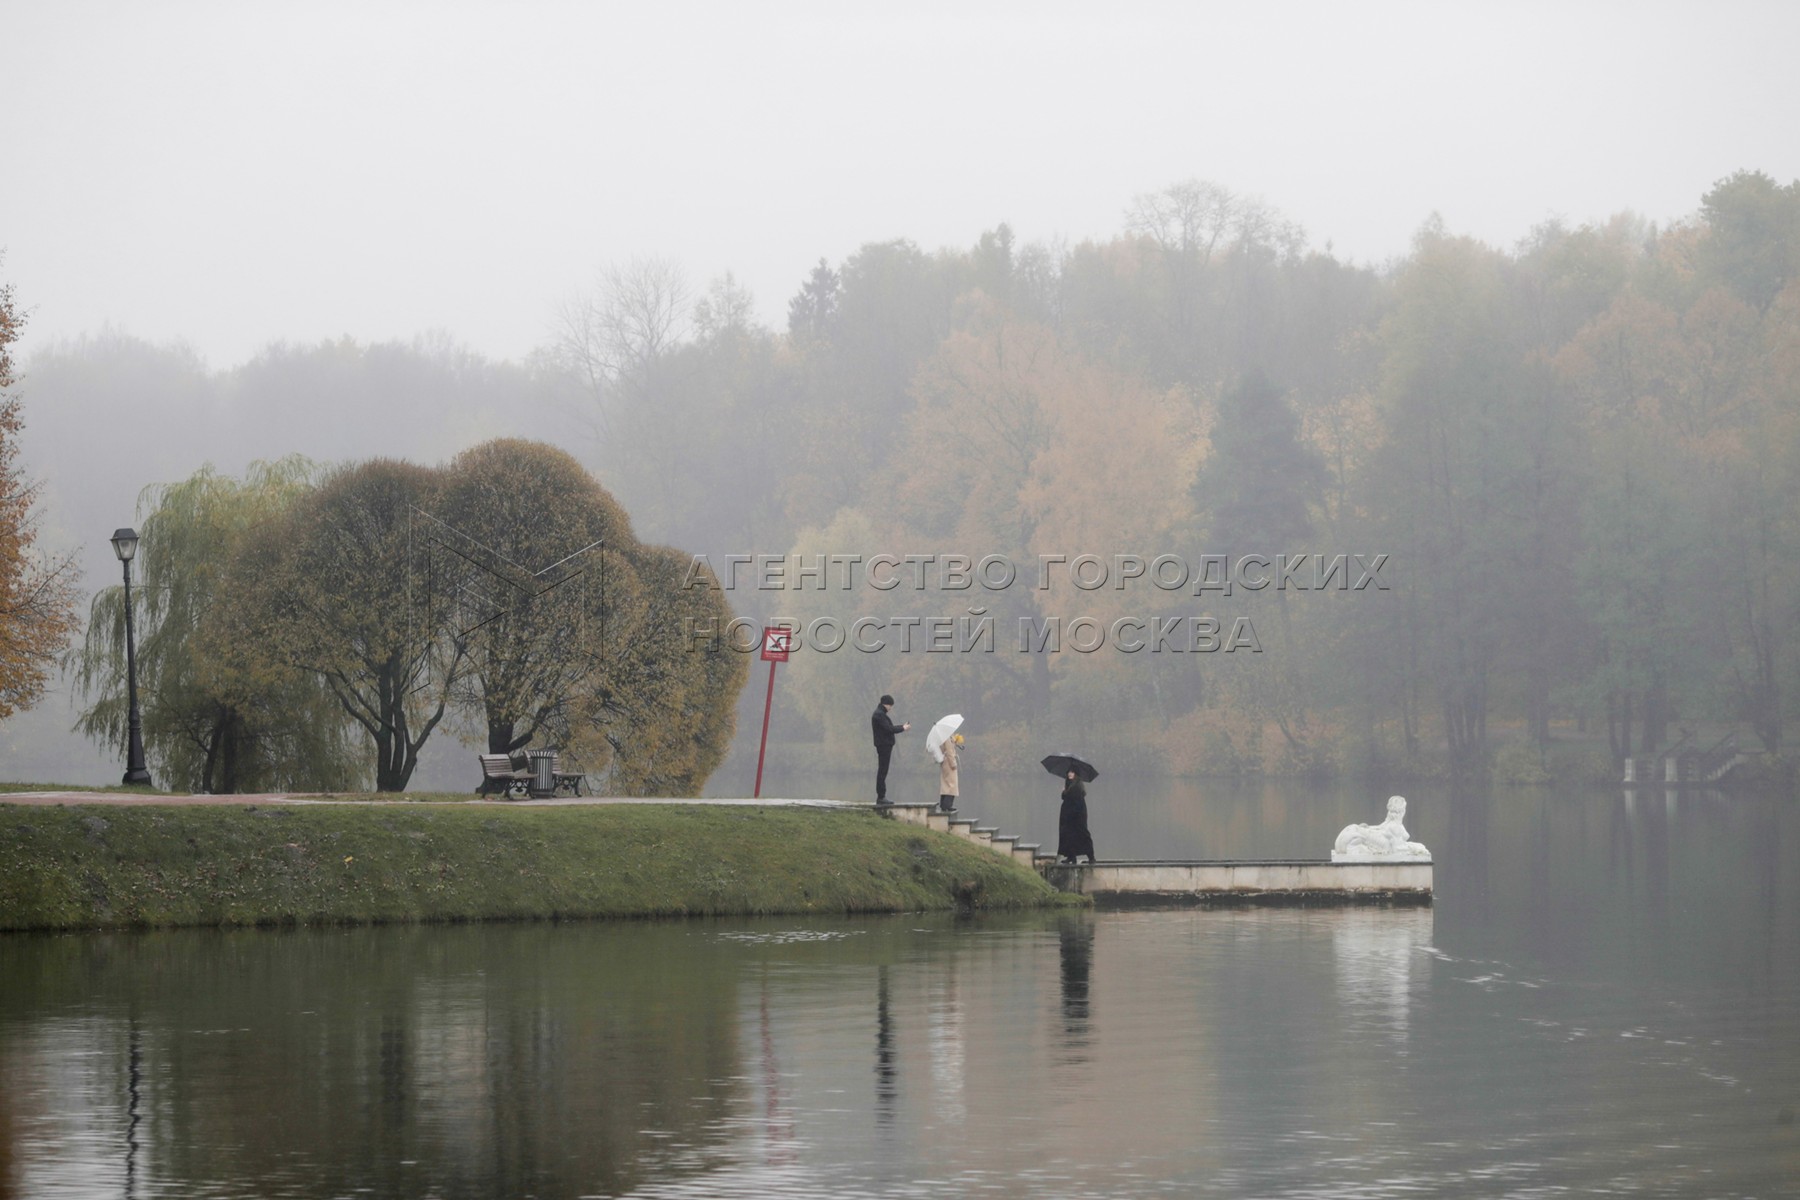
(92, 866)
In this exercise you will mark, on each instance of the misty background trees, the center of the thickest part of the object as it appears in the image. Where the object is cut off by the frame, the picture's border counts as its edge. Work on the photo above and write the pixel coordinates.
(1580, 453)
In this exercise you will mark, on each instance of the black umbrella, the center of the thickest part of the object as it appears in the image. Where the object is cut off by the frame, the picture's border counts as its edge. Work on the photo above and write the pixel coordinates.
(1060, 765)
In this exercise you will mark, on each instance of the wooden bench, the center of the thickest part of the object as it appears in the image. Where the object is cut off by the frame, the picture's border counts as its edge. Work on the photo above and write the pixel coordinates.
(569, 783)
(498, 774)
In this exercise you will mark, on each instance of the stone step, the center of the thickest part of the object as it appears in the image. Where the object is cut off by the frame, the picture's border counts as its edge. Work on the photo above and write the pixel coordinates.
(910, 814)
(1007, 845)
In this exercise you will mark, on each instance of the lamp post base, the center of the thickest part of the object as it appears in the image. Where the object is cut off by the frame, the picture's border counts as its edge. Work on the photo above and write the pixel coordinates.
(138, 778)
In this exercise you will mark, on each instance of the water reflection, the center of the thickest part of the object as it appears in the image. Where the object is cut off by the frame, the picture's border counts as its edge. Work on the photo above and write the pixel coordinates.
(778, 1114)
(886, 1088)
(133, 1084)
(466, 1062)
(949, 1053)
(1379, 958)
(1587, 955)
(1075, 940)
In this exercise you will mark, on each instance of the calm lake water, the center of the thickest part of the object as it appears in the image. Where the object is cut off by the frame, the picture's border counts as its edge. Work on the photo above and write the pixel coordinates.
(1605, 999)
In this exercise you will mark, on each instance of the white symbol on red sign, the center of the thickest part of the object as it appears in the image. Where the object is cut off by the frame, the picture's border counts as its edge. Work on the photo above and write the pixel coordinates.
(776, 643)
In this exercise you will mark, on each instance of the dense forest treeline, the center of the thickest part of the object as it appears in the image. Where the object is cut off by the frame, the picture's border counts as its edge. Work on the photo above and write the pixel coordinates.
(1581, 455)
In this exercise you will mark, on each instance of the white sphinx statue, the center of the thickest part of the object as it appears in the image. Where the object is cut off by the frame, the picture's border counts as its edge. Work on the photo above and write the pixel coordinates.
(1386, 842)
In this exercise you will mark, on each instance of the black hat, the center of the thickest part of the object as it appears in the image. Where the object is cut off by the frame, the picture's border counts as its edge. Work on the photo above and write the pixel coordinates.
(887, 699)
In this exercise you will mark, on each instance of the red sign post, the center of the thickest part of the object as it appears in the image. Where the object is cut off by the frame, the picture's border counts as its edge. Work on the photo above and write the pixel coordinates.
(775, 646)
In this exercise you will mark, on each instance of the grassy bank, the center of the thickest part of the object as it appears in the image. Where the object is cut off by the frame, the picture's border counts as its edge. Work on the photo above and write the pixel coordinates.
(89, 866)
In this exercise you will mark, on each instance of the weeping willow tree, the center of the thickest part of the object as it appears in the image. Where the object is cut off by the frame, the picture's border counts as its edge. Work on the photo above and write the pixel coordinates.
(217, 718)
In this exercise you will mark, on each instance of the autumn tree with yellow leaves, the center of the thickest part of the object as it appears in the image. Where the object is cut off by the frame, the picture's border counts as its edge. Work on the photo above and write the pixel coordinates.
(37, 591)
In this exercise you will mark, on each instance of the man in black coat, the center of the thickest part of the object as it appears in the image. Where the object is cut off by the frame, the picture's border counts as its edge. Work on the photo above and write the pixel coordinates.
(885, 729)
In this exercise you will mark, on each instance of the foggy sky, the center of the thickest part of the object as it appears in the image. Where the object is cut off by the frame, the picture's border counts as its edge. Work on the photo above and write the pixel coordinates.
(231, 174)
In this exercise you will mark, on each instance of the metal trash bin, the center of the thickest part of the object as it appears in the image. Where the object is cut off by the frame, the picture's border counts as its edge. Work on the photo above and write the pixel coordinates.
(543, 772)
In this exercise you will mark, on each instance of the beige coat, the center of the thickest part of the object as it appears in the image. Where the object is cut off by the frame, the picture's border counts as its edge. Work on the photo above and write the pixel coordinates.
(947, 771)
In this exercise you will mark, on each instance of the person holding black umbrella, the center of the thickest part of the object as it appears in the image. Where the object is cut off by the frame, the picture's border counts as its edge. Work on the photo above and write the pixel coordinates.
(1072, 836)
(884, 729)
(1073, 839)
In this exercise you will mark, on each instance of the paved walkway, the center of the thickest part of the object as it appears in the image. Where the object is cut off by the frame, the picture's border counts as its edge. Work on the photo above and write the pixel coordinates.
(129, 798)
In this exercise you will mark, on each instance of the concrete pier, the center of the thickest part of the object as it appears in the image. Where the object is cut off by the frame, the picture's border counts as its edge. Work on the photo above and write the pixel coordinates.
(1242, 881)
(1148, 883)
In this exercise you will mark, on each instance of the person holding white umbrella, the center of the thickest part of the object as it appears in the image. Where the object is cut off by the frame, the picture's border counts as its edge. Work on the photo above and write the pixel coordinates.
(947, 784)
(942, 742)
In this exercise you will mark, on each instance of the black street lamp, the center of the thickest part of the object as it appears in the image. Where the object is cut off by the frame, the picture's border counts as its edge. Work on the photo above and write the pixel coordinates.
(125, 546)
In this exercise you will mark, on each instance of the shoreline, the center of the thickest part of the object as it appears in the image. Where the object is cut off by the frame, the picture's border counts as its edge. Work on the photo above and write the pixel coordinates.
(53, 797)
(129, 861)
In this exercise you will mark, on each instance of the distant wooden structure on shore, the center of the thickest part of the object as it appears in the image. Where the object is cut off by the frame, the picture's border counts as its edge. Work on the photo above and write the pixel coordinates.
(1686, 764)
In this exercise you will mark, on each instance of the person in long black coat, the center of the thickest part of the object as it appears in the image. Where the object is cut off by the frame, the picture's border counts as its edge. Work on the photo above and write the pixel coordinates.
(885, 730)
(1072, 836)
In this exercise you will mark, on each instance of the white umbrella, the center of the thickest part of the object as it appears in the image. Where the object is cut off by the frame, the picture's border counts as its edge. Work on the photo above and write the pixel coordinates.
(940, 733)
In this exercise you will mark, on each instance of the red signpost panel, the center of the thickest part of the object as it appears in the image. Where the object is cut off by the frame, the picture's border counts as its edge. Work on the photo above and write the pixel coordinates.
(775, 646)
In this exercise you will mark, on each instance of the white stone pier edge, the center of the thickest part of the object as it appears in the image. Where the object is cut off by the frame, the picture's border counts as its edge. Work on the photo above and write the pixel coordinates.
(1274, 882)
